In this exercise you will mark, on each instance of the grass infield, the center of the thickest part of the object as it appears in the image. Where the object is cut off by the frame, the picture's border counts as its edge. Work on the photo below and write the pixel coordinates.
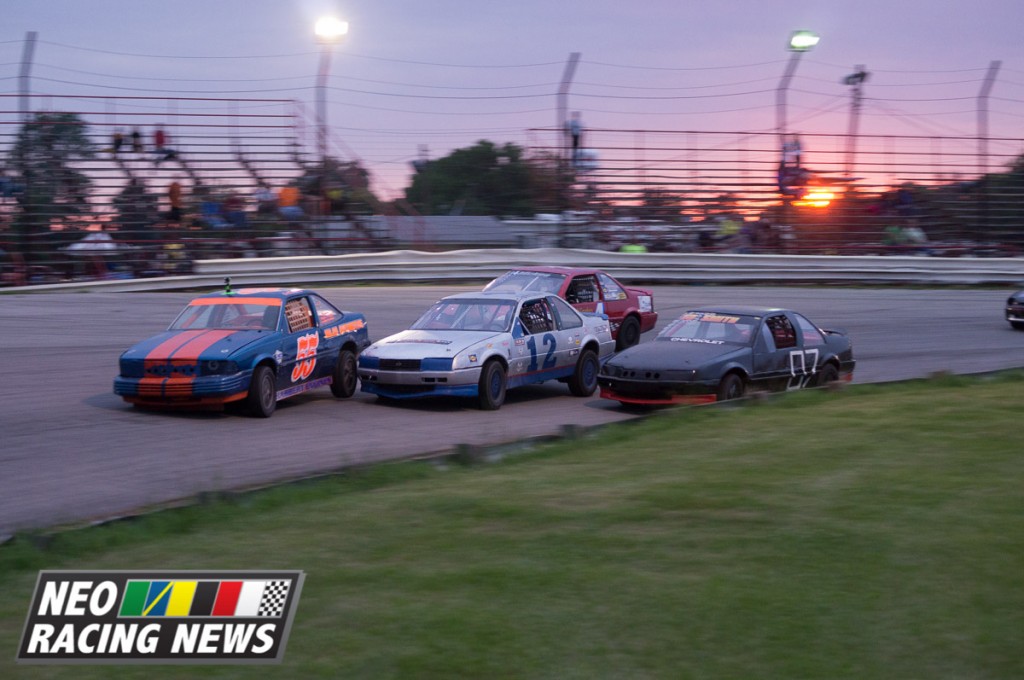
(872, 532)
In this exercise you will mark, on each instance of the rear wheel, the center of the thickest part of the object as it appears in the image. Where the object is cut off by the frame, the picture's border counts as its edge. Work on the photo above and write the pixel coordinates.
(583, 381)
(629, 333)
(262, 399)
(343, 385)
(829, 374)
(492, 386)
(731, 387)
(1019, 325)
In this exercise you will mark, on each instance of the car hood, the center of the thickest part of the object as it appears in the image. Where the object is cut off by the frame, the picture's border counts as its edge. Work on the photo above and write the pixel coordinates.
(193, 345)
(422, 344)
(668, 354)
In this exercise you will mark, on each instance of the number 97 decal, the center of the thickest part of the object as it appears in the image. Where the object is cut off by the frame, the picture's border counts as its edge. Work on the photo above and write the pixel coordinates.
(803, 364)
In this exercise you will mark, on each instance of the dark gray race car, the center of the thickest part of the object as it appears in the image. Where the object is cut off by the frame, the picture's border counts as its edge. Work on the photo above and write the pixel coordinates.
(713, 354)
(1015, 310)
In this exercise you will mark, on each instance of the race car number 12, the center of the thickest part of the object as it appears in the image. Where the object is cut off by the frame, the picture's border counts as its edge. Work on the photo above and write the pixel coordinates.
(305, 358)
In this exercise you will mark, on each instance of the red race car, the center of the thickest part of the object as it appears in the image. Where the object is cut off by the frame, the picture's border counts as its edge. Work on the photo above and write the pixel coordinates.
(630, 311)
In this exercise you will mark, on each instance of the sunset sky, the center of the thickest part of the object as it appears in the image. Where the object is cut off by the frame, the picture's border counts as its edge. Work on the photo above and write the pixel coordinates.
(429, 77)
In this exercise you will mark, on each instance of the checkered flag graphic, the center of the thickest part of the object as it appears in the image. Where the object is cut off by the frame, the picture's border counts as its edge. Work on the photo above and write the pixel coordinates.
(274, 596)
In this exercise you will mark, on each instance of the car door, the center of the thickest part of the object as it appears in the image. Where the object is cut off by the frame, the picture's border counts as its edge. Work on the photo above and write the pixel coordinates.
(327, 318)
(812, 344)
(779, 361)
(538, 321)
(300, 348)
(568, 334)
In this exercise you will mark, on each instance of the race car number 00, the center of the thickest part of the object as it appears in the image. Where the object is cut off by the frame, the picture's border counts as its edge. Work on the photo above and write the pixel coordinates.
(549, 358)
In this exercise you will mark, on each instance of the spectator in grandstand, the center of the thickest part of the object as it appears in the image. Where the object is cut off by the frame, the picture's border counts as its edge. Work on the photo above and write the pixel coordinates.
(136, 140)
(116, 141)
(266, 199)
(234, 211)
(163, 153)
(174, 197)
(288, 203)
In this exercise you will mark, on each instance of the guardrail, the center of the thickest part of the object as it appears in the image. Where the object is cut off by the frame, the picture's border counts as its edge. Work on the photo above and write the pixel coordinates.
(471, 265)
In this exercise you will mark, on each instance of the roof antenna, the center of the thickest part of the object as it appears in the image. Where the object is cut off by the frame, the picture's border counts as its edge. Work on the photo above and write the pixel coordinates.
(227, 286)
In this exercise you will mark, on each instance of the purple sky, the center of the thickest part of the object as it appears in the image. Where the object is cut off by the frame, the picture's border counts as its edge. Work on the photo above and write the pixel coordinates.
(446, 73)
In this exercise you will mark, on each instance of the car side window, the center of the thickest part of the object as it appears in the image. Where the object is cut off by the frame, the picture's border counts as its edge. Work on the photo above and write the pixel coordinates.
(782, 331)
(582, 289)
(612, 290)
(536, 317)
(812, 337)
(566, 315)
(326, 314)
(299, 315)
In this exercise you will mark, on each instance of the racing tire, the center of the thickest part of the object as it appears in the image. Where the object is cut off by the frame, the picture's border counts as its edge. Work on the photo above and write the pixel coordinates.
(583, 381)
(262, 399)
(829, 374)
(731, 387)
(1017, 325)
(492, 386)
(343, 384)
(628, 335)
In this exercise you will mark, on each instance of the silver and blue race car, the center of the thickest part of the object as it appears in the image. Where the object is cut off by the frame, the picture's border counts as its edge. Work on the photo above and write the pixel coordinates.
(481, 344)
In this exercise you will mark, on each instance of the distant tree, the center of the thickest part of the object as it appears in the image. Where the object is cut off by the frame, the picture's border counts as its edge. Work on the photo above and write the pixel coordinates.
(42, 159)
(483, 179)
(342, 186)
(662, 204)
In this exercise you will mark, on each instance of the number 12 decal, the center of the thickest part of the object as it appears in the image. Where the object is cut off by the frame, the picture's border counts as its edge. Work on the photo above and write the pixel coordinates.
(549, 358)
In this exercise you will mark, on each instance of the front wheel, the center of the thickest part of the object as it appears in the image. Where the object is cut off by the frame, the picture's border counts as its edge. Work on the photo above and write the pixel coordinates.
(731, 387)
(492, 386)
(262, 399)
(629, 333)
(343, 384)
(583, 381)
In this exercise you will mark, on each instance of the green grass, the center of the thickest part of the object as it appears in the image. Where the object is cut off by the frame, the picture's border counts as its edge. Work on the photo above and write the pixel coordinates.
(875, 532)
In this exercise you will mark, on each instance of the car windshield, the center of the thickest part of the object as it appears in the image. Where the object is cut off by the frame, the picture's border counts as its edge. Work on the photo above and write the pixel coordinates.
(467, 315)
(224, 313)
(710, 328)
(541, 282)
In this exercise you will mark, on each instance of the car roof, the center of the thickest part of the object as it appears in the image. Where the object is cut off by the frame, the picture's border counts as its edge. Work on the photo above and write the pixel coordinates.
(491, 295)
(743, 310)
(278, 293)
(569, 271)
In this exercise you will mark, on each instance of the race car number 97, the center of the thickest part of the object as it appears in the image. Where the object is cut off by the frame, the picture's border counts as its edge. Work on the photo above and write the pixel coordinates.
(305, 358)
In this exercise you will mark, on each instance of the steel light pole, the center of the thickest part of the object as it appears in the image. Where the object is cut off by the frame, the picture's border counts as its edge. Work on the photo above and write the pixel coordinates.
(329, 31)
(799, 42)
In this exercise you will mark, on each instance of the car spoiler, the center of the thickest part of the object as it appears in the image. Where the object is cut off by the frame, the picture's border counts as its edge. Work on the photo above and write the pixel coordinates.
(834, 331)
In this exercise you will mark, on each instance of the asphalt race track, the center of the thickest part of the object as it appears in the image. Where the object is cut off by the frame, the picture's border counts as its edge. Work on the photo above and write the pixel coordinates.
(72, 451)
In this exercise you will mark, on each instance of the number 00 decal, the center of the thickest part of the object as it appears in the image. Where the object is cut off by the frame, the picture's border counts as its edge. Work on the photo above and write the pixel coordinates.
(305, 358)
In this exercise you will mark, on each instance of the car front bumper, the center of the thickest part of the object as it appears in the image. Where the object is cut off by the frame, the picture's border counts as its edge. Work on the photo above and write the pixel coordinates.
(657, 392)
(413, 384)
(213, 389)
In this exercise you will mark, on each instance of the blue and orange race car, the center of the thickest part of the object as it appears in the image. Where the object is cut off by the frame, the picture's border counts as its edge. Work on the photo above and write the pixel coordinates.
(256, 346)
